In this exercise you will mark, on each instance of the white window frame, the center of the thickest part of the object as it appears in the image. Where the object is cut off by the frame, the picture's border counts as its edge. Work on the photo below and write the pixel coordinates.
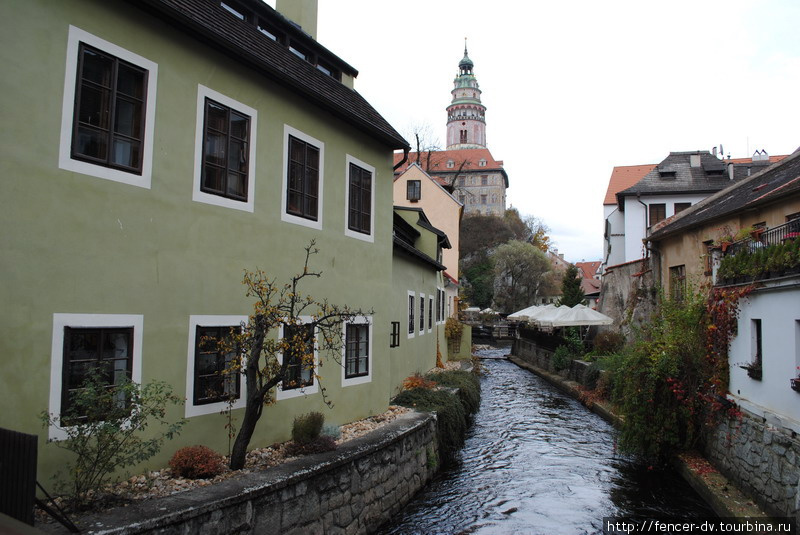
(313, 388)
(60, 321)
(347, 231)
(196, 321)
(413, 312)
(66, 162)
(198, 195)
(359, 320)
(290, 218)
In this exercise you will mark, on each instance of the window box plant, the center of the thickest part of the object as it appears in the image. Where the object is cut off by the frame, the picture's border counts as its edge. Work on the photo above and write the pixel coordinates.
(754, 370)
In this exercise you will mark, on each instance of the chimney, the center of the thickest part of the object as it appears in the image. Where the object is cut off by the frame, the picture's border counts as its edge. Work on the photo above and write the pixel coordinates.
(694, 160)
(730, 170)
(301, 12)
(714, 152)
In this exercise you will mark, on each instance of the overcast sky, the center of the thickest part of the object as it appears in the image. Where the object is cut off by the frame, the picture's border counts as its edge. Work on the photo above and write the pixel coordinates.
(574, 88)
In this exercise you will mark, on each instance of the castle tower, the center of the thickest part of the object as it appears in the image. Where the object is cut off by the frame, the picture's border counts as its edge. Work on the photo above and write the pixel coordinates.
(466, 116)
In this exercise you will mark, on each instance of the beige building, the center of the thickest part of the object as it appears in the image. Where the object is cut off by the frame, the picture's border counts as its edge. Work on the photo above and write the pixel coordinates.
(414, 188)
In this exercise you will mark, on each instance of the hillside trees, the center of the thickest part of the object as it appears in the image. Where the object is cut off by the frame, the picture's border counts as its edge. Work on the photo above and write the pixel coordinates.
(519, 270)
(480, 235)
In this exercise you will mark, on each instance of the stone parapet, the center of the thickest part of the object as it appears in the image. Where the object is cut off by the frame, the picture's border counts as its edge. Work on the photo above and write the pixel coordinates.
(352, 490)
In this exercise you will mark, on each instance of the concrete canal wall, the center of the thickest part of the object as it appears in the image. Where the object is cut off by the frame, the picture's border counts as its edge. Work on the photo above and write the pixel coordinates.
(352, 490)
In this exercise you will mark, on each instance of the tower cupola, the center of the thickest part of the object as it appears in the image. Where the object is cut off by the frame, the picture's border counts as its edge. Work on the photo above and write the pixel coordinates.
(466, 116)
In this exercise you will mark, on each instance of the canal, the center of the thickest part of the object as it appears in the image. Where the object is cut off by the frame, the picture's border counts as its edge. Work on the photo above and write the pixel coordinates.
(537, 462)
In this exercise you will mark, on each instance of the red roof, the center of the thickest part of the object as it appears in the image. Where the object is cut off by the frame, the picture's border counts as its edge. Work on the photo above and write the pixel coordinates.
(439, 159)
(589, 269)
(590, 286)
(623, 177)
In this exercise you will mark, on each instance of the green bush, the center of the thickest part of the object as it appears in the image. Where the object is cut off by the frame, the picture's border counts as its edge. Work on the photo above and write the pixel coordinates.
(103, 429)
(307, 427)
(591, 376)
(468, 384)
(451, 418)
(561, 358)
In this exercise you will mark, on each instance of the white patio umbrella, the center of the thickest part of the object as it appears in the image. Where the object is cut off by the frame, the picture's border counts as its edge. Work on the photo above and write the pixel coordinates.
(531, 313)
(577, 316)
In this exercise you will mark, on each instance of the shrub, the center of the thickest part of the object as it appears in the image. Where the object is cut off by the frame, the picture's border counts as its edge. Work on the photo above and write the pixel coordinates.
(331, 430)
(468, 384)
(592, 375)
(103, 426)
(561, 358)
(320, 444)
(196, 462)
(608, 342)
(307, 427)
(451, 420)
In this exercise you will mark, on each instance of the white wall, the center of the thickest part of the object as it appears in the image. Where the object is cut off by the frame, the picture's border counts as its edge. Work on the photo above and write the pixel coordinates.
(616, 225)
(771, 397)
(636, 219)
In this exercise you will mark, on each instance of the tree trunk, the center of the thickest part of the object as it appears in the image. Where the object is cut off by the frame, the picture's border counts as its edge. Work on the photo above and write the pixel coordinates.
(239, 451)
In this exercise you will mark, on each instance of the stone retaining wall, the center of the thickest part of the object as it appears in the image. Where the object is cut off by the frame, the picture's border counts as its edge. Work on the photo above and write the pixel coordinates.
(541, 358)
(352, 490)
(761, 459)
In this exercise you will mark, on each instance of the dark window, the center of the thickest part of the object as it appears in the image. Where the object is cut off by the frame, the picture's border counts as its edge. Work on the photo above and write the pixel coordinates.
(410, 314)
(483, 199)
(394, 340)
(302, 197)
(463, 135)
(356, 351)
(461, 181)
(484, 180)
(758, 356)
(214, 378)
(658, 212)
(681, 206)
(226, 135)
(413, 190)
(430, 313)
(359, 217)
(677, 282)
(299, 356)
(438, 305)
(108, 127)
(421, 313)
(106, 353)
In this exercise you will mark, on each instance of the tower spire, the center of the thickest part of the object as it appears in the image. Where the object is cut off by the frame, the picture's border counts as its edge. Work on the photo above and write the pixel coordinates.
(466, 123)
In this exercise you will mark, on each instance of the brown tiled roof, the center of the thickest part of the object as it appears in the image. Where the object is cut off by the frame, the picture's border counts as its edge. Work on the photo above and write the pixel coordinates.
(623, 177)
(590, 286)
(210, 24)
(438, 163)
(775, 182)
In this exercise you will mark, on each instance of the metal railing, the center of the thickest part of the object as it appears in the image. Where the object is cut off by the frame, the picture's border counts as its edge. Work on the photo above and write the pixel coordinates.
(773, 236)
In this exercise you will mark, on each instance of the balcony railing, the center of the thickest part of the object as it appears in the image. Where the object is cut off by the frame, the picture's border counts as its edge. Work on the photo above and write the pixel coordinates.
(766, 254)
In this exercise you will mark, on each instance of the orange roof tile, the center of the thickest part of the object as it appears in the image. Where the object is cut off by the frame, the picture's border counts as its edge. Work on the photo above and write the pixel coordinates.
(772, 159)
(589, 269)
(439, 159)
(623, 177)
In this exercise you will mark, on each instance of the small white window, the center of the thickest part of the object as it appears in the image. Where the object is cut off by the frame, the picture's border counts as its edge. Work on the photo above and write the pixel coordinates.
(110, 142)
(303, 178)
(225, 151)
(114, 340)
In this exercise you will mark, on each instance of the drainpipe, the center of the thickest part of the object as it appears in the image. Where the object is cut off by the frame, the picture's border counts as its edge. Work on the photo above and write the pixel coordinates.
(404, 160)
(639, 200)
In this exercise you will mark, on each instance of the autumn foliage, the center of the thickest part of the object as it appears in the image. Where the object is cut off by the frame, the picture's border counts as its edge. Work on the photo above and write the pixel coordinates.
(196, 462)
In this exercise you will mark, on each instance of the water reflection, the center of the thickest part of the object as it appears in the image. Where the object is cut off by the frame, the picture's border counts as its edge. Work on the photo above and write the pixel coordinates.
(537, 462)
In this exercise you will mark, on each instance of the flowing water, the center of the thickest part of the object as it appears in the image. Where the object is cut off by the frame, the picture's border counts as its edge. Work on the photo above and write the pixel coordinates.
(537, 462)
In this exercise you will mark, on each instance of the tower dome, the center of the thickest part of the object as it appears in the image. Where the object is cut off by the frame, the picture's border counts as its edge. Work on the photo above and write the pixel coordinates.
(466, 116)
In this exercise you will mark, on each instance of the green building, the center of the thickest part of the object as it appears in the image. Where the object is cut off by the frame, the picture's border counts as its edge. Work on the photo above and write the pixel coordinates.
(153, 151)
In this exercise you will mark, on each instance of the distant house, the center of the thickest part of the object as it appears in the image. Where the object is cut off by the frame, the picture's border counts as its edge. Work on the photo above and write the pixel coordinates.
(764, 355)
(550, 290)
(414, 188)
(640, 196)
(590, 284)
